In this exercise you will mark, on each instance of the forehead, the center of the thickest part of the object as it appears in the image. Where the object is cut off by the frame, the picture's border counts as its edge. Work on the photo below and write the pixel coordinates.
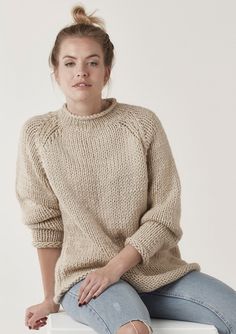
(80, 47)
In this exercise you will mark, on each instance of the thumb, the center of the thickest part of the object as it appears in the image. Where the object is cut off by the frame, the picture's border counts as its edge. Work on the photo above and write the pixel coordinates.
(33, 319)
(27, 317)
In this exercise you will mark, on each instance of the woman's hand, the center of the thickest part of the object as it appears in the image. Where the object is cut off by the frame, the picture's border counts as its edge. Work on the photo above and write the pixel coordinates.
(96, 282)
(36, 315)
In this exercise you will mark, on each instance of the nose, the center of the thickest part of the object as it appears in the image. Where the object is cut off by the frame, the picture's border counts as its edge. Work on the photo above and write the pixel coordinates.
(81, 71)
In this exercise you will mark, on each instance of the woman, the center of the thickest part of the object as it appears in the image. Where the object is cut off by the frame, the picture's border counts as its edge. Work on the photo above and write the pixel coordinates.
(99, 188)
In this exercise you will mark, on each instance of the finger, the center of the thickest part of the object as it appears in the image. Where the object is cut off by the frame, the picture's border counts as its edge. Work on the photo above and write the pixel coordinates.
(85, 292)
(83, 286)
(101, 289)
(39, 324)
(88, 293)
(83, 295)
(33, 320)
(28, 315)
(40, 321)
(44, 318)
(89, 296)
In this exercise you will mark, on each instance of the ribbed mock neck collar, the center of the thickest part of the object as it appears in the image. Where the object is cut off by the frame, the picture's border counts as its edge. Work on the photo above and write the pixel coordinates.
(68, 118)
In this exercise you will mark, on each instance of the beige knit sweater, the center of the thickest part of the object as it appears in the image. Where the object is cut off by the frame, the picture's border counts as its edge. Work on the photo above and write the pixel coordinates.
(93, 184)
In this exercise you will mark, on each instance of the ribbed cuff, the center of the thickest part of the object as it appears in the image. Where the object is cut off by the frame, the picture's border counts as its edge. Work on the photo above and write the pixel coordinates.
(47, 238)
(140, 249)
(148, 239)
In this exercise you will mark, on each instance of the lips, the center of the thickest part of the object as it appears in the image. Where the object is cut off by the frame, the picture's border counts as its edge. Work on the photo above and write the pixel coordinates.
(82, 84)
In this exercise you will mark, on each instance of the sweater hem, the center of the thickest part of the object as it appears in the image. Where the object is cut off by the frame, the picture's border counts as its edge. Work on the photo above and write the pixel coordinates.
(140, 284)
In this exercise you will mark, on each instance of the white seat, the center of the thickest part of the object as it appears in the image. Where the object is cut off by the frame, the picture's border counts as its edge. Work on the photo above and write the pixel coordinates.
(61, 323)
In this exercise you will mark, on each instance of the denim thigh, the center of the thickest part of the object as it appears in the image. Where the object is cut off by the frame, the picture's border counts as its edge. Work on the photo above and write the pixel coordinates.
(118, 304)
(196, 297)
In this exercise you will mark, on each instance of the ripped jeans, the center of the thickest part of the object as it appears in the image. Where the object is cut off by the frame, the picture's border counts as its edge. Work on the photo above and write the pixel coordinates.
(196, 297)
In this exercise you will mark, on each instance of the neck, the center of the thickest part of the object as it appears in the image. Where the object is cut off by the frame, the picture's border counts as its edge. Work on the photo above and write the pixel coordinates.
(86, 107)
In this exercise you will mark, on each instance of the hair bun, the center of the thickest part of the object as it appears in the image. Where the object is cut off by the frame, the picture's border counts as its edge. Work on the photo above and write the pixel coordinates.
(80, 17)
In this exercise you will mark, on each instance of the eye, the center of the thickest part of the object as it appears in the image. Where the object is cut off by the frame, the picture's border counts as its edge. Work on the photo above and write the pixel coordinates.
(68, 64)
(94, 63)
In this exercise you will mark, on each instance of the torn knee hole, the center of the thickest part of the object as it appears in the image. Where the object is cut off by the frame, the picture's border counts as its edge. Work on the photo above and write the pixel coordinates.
(150, 331)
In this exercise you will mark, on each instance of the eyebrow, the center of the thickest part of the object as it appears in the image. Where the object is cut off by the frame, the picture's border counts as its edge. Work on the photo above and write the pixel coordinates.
(93, 55)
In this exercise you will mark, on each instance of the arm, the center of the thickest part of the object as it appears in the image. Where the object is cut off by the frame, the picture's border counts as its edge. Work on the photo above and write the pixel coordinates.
(40, 207)
(47, 259)
(160, 224)
(127, 258)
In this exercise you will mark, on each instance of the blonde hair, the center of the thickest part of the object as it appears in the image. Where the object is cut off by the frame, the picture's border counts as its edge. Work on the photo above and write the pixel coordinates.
(84, 26)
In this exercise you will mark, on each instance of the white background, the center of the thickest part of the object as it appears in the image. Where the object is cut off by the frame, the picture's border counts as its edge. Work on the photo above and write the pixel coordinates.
(174, 57)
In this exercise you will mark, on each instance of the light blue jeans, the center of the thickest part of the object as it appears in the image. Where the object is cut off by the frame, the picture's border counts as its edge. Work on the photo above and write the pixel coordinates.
(196, 297)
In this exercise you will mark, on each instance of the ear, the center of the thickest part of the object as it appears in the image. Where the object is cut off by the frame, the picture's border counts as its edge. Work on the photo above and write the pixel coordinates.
(107, 74)
(56, 77)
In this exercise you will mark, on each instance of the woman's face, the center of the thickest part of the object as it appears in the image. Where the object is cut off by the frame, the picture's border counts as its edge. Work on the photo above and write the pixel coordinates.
(81, 59)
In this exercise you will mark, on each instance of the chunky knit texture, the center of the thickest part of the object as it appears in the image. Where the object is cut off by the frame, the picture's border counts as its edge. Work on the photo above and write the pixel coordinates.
(93, 184)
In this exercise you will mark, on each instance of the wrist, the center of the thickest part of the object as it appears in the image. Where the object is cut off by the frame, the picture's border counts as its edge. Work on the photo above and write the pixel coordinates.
(115, 265)
(48, 298)
(52, 306)
(127, 258)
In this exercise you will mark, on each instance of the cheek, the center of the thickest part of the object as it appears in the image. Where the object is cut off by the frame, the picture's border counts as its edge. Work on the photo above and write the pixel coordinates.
(66, 78)
(66, 71)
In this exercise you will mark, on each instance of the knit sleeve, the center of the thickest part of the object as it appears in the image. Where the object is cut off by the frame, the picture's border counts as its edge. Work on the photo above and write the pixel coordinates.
(159, 225)
(39, 205)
